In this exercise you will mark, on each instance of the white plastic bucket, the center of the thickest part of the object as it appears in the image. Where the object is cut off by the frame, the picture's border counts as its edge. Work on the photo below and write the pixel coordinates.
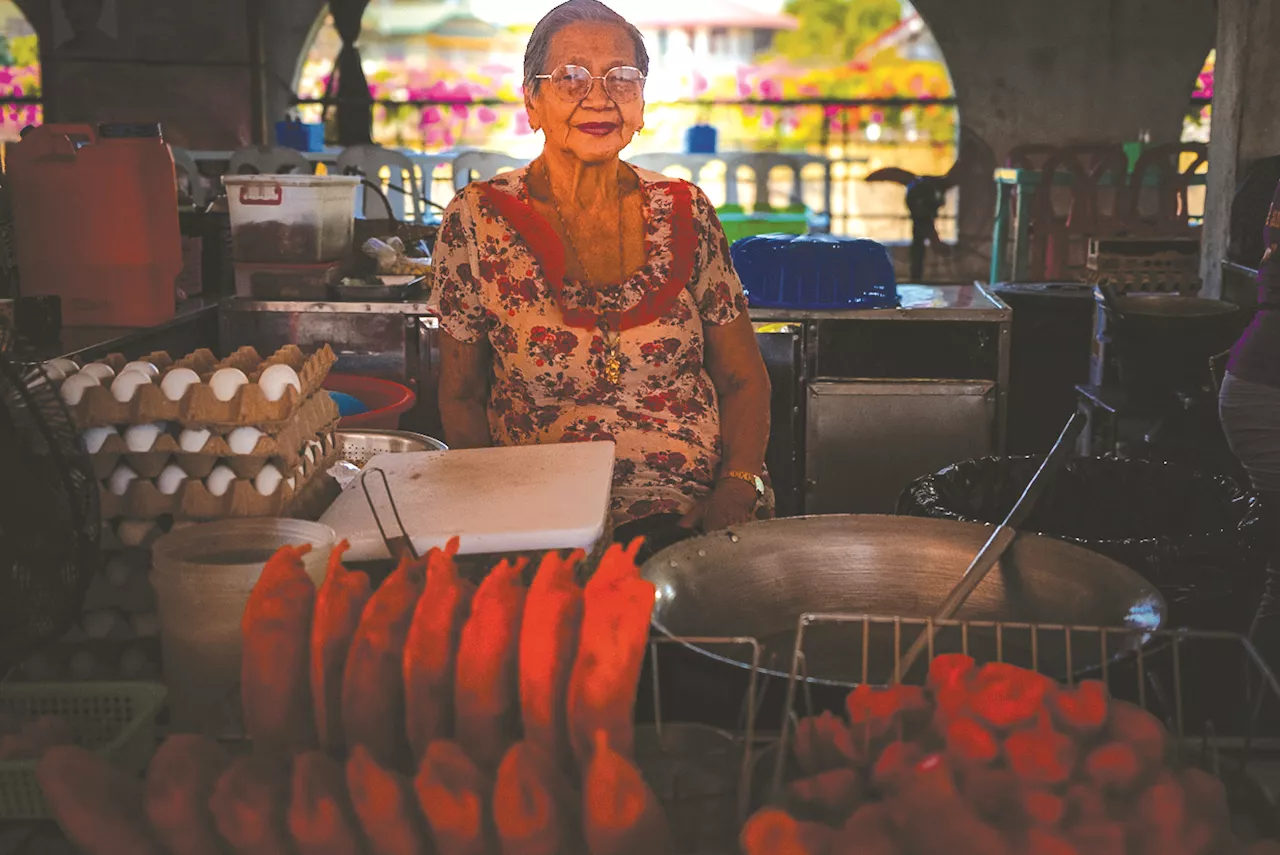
(202, 577)
(291, 219)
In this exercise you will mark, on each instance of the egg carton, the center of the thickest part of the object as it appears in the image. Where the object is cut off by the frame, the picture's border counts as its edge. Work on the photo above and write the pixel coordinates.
(199, 407)
(97, 660)
(122, 583)
(318, 414)
(193, 501)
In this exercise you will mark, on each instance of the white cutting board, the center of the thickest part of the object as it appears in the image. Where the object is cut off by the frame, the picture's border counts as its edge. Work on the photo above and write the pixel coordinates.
(532, 497)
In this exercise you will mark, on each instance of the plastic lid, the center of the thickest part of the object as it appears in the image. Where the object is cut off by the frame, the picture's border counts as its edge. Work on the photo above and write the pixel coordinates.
(290, 179)
(126, 130)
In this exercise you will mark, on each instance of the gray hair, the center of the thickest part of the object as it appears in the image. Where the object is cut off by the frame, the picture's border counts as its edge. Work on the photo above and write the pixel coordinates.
(574, 12)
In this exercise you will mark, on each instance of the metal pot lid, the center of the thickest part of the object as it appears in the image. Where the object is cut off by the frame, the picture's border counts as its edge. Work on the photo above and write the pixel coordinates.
(757, 580)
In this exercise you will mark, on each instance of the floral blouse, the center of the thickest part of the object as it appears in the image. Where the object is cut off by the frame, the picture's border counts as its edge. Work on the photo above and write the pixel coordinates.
(493, 260)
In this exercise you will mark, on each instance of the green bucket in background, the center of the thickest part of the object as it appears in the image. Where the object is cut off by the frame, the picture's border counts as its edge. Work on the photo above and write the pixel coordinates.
(739, 224)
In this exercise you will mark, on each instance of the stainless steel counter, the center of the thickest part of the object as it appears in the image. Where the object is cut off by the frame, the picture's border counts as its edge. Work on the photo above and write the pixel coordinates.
(194, 325)
(394, 341)
(919, 303)
(326, 307)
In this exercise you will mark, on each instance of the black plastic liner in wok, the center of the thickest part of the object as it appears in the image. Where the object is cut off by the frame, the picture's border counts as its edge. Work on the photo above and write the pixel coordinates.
(1197, 537)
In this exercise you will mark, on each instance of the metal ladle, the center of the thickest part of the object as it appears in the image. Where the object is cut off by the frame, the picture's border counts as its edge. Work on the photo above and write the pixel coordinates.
(1001, 539)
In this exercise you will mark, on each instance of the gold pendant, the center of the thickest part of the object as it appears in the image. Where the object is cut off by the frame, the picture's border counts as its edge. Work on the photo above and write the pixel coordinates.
(612, 359)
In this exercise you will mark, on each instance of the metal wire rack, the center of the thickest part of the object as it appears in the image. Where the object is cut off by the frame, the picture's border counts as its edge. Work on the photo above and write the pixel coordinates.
(1212, 689)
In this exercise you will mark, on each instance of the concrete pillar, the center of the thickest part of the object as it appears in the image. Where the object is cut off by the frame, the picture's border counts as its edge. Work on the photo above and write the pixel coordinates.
(1246, 120)
(701, 43)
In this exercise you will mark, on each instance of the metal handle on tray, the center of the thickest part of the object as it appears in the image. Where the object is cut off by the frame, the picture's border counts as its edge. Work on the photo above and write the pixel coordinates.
(1001, 539)
(400, 545)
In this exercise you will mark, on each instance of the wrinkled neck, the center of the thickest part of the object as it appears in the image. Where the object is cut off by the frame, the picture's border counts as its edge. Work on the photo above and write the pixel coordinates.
(580, 186)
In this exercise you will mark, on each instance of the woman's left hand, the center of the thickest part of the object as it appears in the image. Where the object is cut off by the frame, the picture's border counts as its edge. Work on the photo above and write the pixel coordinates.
(731, 502)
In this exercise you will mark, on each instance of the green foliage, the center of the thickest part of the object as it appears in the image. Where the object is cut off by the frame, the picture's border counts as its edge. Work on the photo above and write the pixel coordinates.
(833, 30)
(25, 51)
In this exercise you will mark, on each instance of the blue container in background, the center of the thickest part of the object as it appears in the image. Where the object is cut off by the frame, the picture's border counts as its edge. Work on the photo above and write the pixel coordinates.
(296, 135)
(701, 139)
(781, 271)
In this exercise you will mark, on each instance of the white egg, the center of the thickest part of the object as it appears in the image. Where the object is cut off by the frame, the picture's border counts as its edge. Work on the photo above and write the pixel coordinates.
(124, 387)
(94, 438)
(119, 482)
(136, 532)
(118, 571)
(141, 438)
(219, 480)
(66, 366)
(225, 382)
(53, 372)
(268, 480)
(243, 440)
(171, 479)
(276, 379)
(193, 440)
(133, 662)
(176, 382)
(101, 370)
(146, 625)
(100, 623)
(147, 368)
(82, 665)
(73, 388)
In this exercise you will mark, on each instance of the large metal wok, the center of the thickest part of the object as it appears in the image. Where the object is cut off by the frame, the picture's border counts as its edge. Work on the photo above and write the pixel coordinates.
(758, 579)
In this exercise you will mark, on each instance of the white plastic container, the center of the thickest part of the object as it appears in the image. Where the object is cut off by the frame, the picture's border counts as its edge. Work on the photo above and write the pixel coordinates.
(291, 219)
(202, 577)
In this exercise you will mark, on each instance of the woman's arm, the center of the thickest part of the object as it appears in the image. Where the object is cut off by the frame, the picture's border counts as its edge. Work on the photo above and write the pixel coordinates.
(742, 384)
(464, 392)
(733, 360)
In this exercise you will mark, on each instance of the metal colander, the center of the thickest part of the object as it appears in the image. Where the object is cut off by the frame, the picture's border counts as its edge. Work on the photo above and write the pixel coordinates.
(359, 446)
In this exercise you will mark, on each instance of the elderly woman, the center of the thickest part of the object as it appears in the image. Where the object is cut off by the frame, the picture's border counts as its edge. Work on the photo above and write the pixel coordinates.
(585, 299)
(1250, 406)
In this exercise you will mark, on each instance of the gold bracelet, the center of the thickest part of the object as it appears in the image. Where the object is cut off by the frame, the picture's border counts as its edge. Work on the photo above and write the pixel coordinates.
(751, 478)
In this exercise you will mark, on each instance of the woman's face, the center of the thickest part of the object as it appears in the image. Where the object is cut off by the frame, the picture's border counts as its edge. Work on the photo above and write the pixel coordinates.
(597, 128)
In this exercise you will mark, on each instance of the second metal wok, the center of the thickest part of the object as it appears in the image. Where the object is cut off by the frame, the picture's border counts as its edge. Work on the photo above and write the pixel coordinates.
(758, 579)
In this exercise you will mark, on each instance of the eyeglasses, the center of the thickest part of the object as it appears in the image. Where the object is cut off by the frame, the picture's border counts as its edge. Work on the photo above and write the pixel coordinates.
(573, 83)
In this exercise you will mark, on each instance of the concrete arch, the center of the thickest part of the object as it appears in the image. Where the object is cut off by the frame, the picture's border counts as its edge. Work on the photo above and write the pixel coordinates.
(1029, 71)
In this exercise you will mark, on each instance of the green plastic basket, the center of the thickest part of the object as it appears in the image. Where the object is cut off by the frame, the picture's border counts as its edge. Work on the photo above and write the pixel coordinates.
(738, 225)
(117, 720)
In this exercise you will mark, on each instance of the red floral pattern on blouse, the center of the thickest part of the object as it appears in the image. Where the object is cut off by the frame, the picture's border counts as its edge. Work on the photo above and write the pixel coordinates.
(548, 381)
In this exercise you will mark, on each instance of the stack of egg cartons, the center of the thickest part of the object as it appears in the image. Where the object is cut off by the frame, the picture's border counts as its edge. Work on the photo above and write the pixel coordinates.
(175, 443)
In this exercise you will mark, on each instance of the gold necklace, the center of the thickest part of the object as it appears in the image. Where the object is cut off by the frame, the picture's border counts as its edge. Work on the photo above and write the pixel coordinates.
(612, 336)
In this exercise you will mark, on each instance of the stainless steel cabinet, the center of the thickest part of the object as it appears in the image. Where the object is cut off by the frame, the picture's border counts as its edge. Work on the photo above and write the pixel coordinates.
(882, 396)
(865, 440)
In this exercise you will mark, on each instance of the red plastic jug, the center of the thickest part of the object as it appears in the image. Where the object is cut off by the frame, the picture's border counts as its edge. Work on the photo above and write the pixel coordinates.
(96, 222)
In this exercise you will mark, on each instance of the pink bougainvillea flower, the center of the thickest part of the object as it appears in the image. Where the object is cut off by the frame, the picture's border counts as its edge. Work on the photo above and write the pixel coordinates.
(486, 116)
(460, 111)
(770, 90)
(522, 124)
(430, 116)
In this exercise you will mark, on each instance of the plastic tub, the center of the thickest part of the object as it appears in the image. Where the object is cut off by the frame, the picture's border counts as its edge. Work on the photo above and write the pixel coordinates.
(384, 400)
(781, 271)
(202, 577)
(291, 219)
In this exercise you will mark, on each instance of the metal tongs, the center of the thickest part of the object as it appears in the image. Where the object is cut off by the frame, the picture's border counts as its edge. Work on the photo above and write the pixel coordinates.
(400, 545)
(1001, 539)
